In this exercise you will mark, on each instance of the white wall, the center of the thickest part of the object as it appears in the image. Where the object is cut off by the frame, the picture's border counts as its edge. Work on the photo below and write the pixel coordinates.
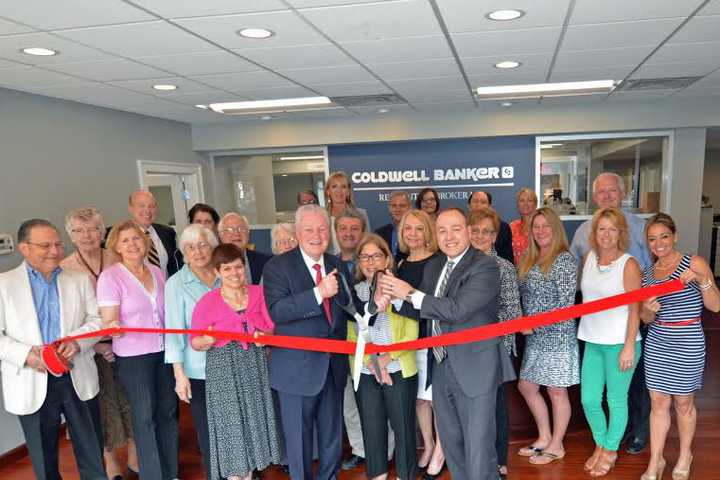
(687, 177)
(711, 179)
(58, 155)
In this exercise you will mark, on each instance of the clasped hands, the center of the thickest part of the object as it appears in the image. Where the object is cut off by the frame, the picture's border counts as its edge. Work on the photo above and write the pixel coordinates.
(67, 350)
(383, 361)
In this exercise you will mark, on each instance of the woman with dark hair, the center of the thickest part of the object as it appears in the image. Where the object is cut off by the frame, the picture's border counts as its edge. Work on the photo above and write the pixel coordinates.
(205, 215)
(428, 201)
(242, 427)
(675, 343)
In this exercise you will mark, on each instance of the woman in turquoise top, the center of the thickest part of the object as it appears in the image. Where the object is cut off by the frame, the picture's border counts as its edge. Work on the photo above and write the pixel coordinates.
(182, 292)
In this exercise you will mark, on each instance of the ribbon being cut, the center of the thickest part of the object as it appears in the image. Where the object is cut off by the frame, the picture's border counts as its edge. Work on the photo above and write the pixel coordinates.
(57, 366)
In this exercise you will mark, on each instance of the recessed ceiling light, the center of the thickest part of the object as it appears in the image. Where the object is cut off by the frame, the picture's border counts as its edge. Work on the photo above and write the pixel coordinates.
(165, 87)
(383, 110)
(255, 33)
(39, 51)
(504, 15)
(266, 117)
(506, 104)
(507, 64)
(204, 107)
(284, 174)
(509, 92)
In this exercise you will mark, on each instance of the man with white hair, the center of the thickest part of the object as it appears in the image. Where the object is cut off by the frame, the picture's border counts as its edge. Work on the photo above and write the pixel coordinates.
(234, 228)
(609, 192)
(299, 287)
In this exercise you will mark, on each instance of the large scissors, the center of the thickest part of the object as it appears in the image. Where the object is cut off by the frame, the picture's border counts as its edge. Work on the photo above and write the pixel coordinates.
(363, 337)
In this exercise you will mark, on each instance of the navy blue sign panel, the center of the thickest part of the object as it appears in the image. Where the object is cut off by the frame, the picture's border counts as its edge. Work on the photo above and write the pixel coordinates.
(455, 168)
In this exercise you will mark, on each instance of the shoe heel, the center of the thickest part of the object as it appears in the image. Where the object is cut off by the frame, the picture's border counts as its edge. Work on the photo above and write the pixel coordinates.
(682, 474)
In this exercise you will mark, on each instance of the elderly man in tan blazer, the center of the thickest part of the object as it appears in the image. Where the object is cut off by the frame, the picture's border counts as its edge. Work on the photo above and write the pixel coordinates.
(40, 303)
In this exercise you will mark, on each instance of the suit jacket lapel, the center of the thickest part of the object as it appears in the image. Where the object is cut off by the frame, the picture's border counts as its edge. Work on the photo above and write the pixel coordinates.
(305, 279)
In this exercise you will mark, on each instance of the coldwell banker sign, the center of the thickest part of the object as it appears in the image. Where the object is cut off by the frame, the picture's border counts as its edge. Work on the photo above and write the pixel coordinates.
(455, 168)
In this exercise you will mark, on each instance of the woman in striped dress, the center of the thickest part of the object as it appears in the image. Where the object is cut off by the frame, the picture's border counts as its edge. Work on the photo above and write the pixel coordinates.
(675, 344)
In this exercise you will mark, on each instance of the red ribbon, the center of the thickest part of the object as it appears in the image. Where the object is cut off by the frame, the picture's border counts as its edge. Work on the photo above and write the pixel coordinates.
(464, 336)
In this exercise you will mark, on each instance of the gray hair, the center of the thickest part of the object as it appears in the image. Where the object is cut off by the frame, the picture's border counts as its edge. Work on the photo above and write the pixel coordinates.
(221, 223)
(400, 193)
(195, 233)
(26, 227)
(84, 214)
(308, 209)
(618, 179)
(351, 212)
(288, 227)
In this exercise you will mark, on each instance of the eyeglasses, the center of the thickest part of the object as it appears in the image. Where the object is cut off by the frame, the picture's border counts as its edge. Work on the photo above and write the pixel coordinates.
(375, 257)
(430, 199)
(286, 242)
(193, 247)
(47, 246)
(85, 231)
(235, 230)
(484, 232)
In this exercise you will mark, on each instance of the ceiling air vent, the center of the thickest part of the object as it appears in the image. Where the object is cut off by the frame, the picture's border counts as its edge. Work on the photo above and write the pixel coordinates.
(669, 83)
(368, 100)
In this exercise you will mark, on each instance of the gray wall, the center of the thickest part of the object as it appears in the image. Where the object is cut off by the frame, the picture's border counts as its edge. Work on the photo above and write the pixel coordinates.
(57, 155)
(711, 178)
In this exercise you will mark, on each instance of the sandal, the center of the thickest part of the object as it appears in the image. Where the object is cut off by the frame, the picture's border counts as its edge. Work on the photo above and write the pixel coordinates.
(530, 451)
(544, 458)
(604, 464)
(593, 459)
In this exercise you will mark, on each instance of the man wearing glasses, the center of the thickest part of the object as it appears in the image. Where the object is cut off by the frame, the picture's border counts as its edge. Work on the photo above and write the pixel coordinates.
(234, 228)
(40, 303)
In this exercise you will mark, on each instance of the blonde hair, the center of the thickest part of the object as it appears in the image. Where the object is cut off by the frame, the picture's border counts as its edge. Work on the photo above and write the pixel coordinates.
(477, 216)
(618, 220)
(334, 176)
(527, 191)
(118, 228)
(84, 214)
(377, 240)
(559, 244)
(428, 224)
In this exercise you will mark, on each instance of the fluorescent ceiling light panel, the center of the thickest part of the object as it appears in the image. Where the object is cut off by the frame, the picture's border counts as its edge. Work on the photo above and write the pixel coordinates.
(303, 157)
(272, 106)
(39, 51)
(545, 146)
(505, 15)
(508, 92)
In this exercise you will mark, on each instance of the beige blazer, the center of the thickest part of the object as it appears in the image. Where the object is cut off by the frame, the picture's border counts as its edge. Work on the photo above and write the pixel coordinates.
(24, 389)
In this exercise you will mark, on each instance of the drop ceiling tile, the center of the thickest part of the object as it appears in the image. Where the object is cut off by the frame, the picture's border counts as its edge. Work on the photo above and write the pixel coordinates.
(71, 13)
(470, 15)
(206, 98)
(506, 42)
(686, 52)
(292, 91)
(574, 59)
(69, 51)
(95, 93)
(375, 21)
(439, 67)
(607, 11)
(180, 8)
(675, 70)
(640, 95)
(329, 75)
(624, 34)
(9, 64)
(350, 89)
(699, 29)
(392, 50)
(145, 86)
(30, 77)
(507, 78)
(288, 27)
(200, 63)
(328, 3)
(486, 65)
(9, 28)
(712, 8)
(432, 89)
(709, 81)
(239, 82)
(139, 39)
(298, 56)
(576, 100)
(107, 70)
(584, 74)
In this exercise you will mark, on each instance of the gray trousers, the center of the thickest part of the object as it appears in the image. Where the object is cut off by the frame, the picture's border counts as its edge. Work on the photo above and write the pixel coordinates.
(466, 426)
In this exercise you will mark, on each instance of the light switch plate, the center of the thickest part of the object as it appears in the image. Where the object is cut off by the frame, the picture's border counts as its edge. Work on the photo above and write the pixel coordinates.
(6, 244)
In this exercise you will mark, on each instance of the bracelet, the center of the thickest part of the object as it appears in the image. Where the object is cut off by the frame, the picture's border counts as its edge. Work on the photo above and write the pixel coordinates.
(706, 286)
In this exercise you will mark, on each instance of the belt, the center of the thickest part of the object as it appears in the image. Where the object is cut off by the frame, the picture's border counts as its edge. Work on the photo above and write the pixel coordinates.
(681, 323)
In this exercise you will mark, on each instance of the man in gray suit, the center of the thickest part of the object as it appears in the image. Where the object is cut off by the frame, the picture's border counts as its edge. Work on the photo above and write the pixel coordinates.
(459, 291)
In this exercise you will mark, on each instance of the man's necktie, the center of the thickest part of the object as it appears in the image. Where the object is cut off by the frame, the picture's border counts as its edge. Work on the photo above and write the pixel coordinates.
(441, 352)
(326, 301)
(152, 253)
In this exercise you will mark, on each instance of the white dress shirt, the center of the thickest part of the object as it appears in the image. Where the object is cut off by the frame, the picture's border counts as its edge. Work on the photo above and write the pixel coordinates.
(309, 263)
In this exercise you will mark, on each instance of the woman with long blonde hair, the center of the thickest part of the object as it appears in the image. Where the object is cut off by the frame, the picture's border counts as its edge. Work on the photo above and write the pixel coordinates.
(338, 197)
(547, 278)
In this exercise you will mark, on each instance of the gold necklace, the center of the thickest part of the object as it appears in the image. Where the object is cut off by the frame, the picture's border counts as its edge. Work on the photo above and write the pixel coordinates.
(671, 265)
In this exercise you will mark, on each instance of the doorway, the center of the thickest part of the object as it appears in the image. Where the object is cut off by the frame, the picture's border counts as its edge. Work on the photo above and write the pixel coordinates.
(176, 187)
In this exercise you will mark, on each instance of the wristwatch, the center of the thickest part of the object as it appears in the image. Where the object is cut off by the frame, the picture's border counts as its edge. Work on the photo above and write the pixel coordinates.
(408, 297)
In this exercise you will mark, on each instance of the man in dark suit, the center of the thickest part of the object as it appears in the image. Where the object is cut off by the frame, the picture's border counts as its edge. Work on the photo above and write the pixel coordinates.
(234, 228)
(460, 291)
(398, 204)
(163, 253)
(299, 289)
(503, 242)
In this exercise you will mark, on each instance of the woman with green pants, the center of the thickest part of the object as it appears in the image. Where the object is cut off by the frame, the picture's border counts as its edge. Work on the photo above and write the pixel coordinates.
(612, 341)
